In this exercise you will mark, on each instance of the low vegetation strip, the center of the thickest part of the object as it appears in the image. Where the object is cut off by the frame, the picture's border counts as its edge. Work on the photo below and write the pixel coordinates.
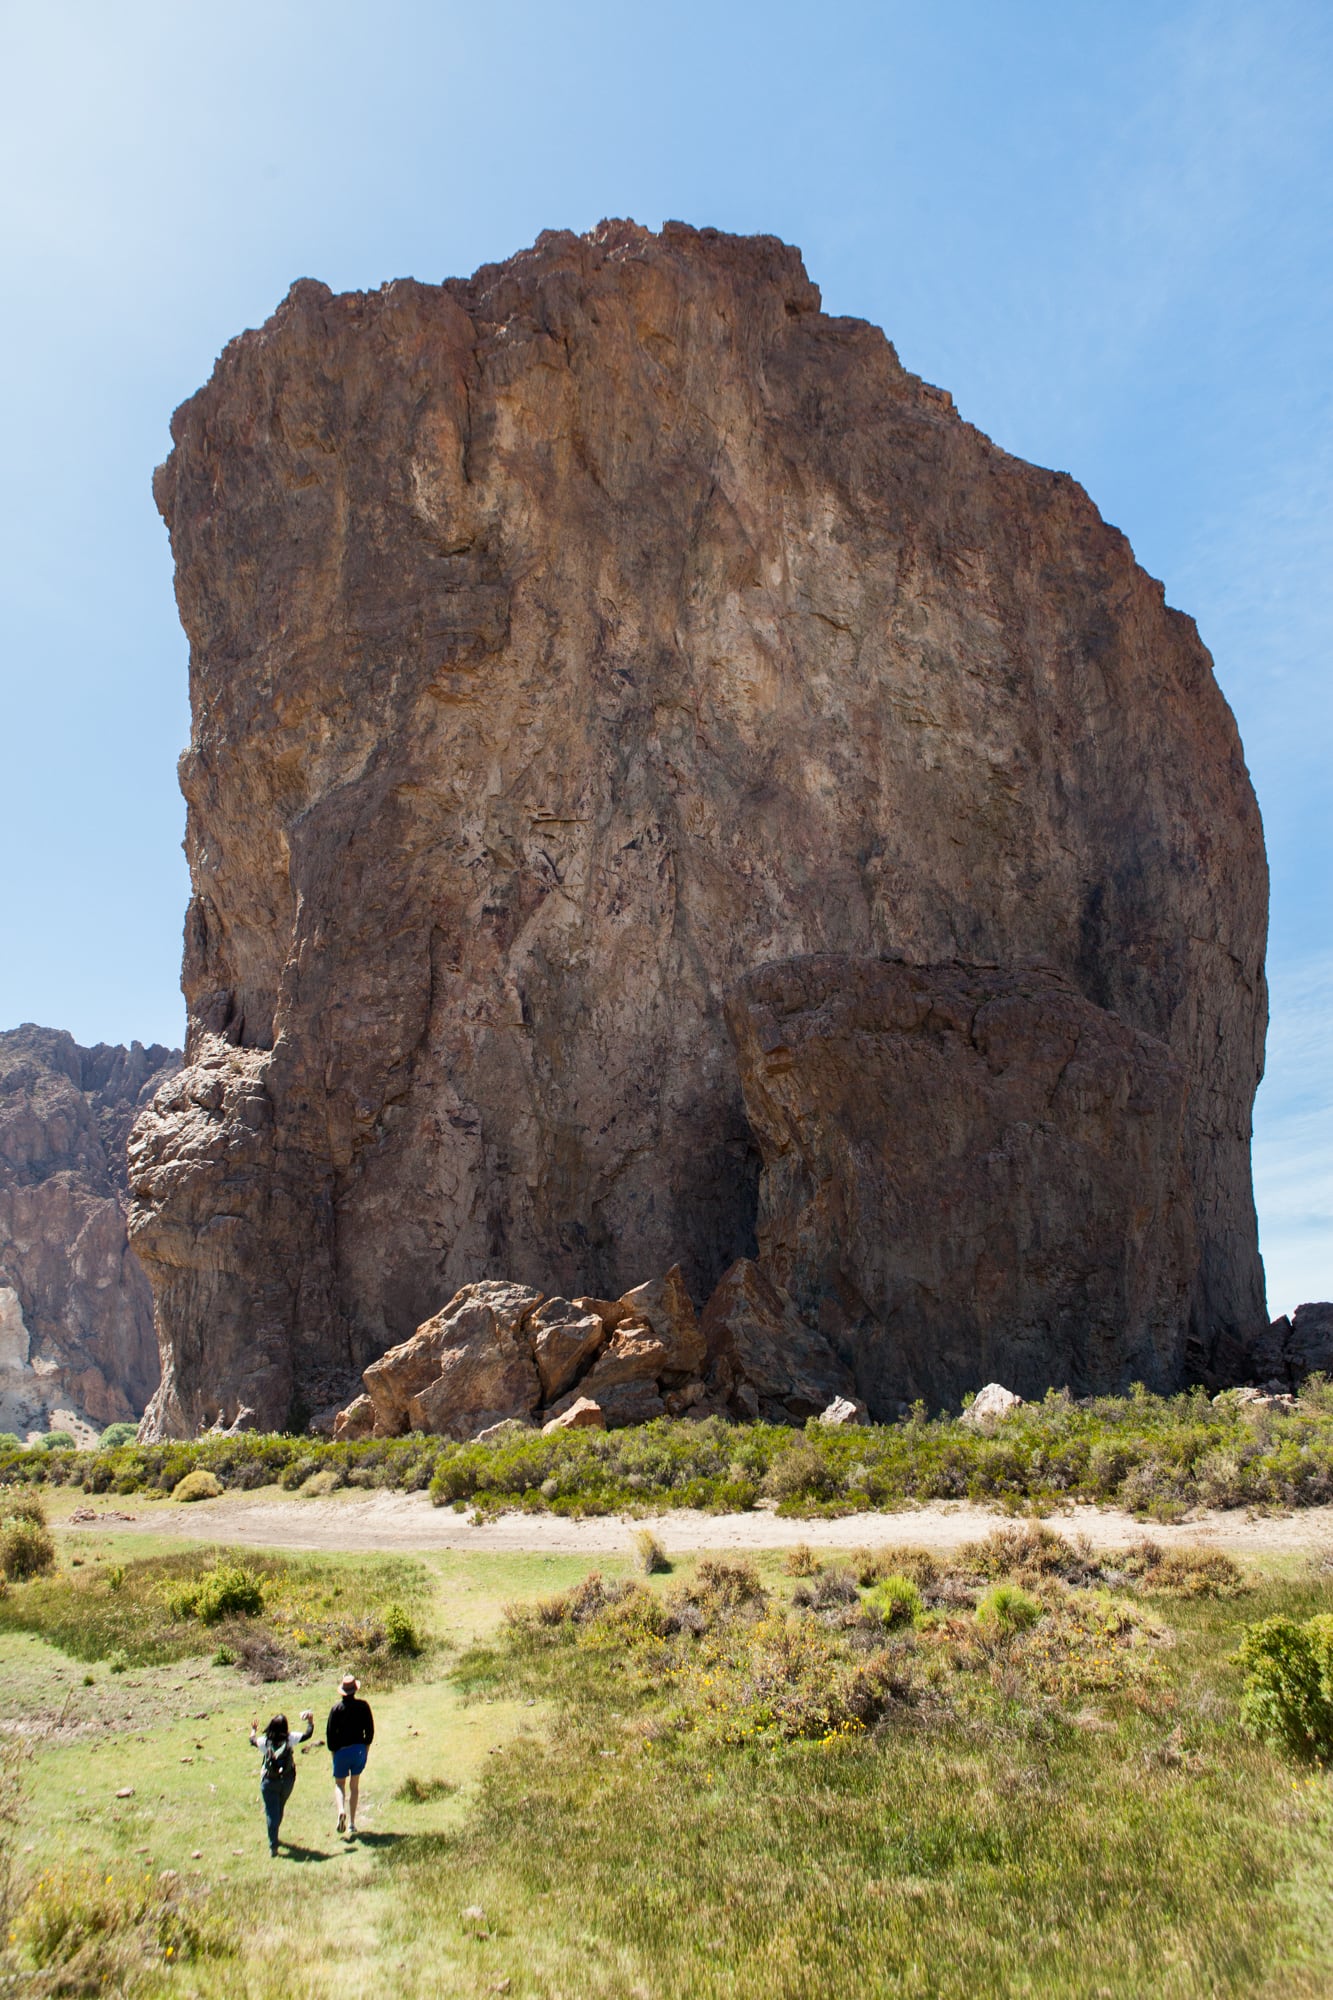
(271, 1617)
(1156, 1456)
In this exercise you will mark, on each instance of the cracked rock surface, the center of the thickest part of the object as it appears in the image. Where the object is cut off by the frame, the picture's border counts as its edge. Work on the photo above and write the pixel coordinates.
(567, 642)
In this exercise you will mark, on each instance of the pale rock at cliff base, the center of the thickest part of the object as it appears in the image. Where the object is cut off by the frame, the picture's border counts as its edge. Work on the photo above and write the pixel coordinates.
(844, 1410)
(582, 1415)
(568, 642)
(990, 1406)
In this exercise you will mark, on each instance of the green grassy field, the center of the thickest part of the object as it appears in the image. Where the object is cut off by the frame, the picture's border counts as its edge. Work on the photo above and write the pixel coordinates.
(617, 1792)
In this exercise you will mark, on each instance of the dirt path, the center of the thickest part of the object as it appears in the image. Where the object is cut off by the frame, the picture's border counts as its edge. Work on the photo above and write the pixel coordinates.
(406, 1521)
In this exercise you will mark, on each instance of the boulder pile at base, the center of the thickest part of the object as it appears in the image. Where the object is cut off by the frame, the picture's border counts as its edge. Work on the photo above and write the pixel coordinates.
(501, 1353)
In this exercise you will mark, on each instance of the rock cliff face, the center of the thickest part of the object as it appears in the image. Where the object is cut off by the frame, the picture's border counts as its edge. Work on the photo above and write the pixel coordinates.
(968, 1173)
(76, 1314)
(566, 643)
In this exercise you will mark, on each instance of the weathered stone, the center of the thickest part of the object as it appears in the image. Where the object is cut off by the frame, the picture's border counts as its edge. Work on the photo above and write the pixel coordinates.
(633, 1354)
(469, 1367)
(845, 1410)
(629, 1403)
(754, 1335)
(581, 1415)
(969, 1172)
(665, 1306)
(990, 1406)
(356, 1421)
(565, 642)
(1309, 1348)
(76, 1314)
(1291, 1349)
(563, 1341)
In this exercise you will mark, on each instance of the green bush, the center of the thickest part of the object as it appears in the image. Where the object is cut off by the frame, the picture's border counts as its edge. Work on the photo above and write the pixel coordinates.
(1007, 1610)
(117, 1434)
(400, 1633)
(198, 1485)
(58, 1441)
(1287, 1694)
(225, 1591)
(895, 1599)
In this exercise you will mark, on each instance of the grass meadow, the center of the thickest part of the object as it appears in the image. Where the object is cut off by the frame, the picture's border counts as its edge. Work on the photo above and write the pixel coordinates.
(1016, 1771)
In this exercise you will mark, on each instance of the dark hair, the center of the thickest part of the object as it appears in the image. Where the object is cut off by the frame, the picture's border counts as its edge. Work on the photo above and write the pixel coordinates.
(277, 1729)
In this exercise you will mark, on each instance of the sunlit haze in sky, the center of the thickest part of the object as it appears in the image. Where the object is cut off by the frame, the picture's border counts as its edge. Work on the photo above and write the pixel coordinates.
(1106, 229)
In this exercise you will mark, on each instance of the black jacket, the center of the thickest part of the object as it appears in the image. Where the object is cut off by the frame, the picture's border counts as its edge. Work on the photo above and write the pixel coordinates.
(350, 1721)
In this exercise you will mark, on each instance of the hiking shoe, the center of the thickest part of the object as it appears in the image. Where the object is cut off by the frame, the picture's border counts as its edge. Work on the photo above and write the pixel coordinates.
(351, 1833)
(342, 1823)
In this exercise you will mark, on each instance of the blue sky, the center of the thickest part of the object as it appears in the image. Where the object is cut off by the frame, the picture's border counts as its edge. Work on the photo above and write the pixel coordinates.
(1105, 229)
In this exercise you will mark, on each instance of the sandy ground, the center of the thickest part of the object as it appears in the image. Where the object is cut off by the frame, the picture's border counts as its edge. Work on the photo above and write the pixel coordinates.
(406, 1521)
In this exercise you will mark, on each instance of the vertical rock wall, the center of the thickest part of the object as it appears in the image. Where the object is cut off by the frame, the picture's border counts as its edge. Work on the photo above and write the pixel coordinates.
(565, 643)
(76, 1315)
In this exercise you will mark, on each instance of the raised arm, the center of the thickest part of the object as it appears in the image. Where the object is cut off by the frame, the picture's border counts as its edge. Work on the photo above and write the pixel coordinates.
(308, 1717)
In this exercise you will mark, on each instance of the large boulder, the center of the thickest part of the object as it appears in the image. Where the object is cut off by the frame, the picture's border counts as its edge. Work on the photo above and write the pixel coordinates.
(469, 1368)
(565, 642)
(756, 1338)
(76, 1312)
(969, 1173)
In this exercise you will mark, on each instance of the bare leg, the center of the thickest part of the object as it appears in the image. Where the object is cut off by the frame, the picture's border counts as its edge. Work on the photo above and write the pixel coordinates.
(353, 1793)
(340, 1802)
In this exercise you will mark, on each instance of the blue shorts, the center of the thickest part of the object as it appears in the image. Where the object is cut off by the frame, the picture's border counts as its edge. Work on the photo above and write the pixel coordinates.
(350, 1761)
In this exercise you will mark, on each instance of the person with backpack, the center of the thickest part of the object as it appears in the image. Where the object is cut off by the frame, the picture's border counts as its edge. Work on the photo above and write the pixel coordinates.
(349, 1733)
(277, 1767)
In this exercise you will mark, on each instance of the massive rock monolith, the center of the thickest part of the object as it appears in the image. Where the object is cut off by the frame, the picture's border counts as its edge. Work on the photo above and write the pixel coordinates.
(565, 643)
(76, 1314)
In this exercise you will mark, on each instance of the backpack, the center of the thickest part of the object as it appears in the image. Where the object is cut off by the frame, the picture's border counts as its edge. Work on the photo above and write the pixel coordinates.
(279, 1765)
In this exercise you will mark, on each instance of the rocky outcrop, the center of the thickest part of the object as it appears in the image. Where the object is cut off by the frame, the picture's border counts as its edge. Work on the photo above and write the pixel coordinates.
(566, 642)
(499, 1354)
(969, 1175)
(763, 1360)
(1293, 1348)
(76, 1318)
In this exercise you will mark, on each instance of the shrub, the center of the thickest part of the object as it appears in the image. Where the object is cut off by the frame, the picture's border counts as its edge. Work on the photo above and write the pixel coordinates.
(26, 1547)
(1184, 1572)
(895, 1599)
(1006, 1611)
(799, 1472)
(58, 1441)
(198, 1485)
(1287, 1694)
(801, 1561)
(649, 1555)
(400, 1633)
(117, 1434)
(225, 1591)
(320, 1484)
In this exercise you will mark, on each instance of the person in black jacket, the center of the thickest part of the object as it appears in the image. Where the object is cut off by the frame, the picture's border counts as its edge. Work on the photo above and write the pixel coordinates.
(349, 1733)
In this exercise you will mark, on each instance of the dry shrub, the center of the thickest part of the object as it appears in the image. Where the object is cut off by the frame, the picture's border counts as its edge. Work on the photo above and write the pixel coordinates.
(918, 1565)
(1031, 1554)
(197, 1485)
(801, 1561)
(26, 1549)
(649, 1555)
(1187, 1572)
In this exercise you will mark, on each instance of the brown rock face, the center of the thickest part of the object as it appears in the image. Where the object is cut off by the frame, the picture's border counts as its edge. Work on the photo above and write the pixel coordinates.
(757, 1339)
(969, 1175)
(565, 643)
(75, 1306)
